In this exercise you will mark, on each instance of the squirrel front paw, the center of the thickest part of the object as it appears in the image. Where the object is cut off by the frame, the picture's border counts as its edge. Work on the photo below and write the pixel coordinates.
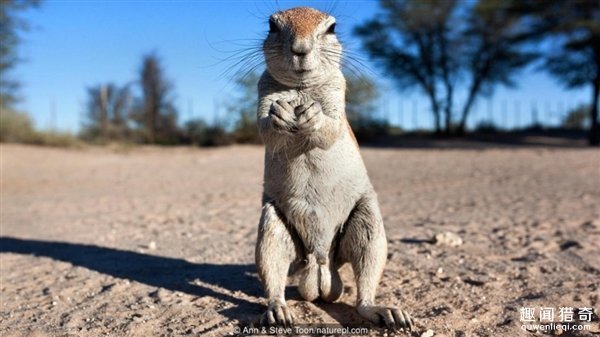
(308, 116)
(282, 116)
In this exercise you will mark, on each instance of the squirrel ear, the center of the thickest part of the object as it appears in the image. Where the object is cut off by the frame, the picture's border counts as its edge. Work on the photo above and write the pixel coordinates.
(273, 28)
(331, 29)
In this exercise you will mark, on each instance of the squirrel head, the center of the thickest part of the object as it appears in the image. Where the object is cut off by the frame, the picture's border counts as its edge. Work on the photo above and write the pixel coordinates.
(301, 48)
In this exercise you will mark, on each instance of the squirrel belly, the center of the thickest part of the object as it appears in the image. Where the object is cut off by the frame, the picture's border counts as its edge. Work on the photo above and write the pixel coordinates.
(317, 190)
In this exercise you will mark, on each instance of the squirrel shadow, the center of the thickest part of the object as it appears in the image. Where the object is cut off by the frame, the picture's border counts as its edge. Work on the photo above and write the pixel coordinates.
(157, 271)
(171, 274)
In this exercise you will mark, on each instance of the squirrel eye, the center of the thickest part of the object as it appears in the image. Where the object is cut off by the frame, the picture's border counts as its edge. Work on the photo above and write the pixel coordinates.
(273, 28)
(331, 29)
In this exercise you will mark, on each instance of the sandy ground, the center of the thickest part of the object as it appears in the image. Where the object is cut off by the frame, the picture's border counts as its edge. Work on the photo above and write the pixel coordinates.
(160, 242)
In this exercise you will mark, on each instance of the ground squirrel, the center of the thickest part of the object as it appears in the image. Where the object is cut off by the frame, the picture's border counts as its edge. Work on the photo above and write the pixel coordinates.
(319, 207)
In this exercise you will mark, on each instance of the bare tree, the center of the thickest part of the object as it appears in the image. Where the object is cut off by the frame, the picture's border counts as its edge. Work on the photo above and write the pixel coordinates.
(106, 113)
(155, 112)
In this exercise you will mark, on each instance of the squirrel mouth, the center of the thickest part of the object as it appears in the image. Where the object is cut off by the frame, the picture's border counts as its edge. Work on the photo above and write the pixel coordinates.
(302, 71)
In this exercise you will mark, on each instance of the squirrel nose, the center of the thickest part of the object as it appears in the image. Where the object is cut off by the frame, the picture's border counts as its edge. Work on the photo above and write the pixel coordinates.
(300, 48)
(299, 53)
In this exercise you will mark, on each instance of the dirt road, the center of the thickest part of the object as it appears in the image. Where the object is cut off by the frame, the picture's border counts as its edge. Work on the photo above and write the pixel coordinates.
(160, 242)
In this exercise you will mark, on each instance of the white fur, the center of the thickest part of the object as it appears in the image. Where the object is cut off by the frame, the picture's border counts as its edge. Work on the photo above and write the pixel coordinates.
(319, 205)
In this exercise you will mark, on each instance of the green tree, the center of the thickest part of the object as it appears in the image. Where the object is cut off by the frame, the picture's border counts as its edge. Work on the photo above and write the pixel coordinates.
(437, 45)
(408, 38)
(574, 27)
(361, 94)
(577, 118)
(155, 113)
(10, 26)
(243, 109)
(497, 43)
(15, 126)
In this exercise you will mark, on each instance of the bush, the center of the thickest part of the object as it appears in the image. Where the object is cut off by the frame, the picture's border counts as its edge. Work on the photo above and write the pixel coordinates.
(216, 135)
(193, 132)
(367, 129)
(53, 138)
(113, 133)
(198, 132)
(247, 133)
(535, 127)
(486, 127)
(577, 119)
(16, 127)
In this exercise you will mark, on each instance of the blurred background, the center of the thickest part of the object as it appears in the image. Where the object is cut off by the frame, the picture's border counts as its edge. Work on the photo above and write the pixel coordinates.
(185, 72)
(488, 106)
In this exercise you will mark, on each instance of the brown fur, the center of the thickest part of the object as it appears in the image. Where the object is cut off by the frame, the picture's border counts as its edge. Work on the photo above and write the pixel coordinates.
(302, 20)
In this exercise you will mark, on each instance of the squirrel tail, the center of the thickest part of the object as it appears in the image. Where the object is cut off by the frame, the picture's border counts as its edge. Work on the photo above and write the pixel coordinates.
(319, 279)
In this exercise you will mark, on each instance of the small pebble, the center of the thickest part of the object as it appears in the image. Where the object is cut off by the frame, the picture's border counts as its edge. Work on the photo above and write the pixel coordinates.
(447, 239)
(428, 333)
(152, 245)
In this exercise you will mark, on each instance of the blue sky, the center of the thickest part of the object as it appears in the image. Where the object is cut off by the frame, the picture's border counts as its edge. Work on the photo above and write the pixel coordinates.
(76, 44)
